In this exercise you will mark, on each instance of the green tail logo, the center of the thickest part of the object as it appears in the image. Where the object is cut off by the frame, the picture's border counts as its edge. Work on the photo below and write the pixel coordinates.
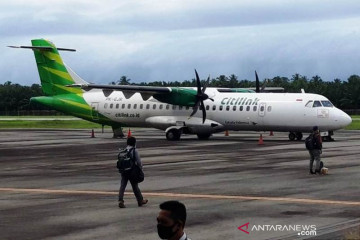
(53, 73)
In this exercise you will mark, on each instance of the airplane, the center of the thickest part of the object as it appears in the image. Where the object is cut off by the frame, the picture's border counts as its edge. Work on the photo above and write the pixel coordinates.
(175, 109)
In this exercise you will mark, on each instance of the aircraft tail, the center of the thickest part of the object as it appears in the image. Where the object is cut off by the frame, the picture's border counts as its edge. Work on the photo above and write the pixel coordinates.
(54, 74)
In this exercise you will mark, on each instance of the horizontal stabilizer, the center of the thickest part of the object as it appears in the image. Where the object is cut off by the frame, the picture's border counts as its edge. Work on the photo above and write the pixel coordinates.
(44, 48)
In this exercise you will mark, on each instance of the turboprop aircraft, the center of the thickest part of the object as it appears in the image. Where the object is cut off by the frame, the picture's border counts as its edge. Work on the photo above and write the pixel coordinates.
(175, 109)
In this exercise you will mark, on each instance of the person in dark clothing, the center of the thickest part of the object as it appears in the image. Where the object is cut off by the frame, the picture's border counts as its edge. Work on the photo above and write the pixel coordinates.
(131, 142)
(316, 151)
(171, 221)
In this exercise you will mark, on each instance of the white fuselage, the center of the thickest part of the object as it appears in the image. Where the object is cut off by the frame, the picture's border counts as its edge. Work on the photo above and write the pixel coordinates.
(229, 111)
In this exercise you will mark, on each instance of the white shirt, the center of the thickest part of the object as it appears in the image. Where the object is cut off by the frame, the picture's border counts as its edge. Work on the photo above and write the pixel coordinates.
(184, 237)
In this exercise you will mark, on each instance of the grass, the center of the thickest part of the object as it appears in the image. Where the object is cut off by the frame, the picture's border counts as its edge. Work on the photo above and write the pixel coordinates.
(51, 117)
(355, 125)
(82, 124)
(71, 124)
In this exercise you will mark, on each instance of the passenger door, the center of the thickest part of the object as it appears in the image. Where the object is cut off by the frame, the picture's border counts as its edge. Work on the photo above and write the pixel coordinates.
(94, 111)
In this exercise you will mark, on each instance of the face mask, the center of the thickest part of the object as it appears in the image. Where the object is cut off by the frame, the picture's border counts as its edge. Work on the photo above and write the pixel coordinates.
(165, 232)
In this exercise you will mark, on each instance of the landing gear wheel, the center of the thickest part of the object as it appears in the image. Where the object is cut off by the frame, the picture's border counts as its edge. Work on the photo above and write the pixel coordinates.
(292, 136)
(299, 136)
(328, 139)
(203, 136)
(173, 135)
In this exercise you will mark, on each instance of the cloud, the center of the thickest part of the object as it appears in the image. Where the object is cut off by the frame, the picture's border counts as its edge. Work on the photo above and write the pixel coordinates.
(166, 40)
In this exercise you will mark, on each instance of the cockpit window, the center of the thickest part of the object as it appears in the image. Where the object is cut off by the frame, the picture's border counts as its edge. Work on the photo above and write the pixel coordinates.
(309, 104)
(327, 104)
(317, 104)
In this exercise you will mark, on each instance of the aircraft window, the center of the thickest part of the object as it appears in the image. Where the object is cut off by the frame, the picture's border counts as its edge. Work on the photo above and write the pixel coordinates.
(105, 106)
(241, 108)
(117, 106)
(123, 106)
(221, 108)
(180, 107)
(262, 108)
(327, 104)
(141, 106)
(234, 108)
(254, 108)
(129, 106)
(214, 107)
(135, 106)
(111, 105)
(227, 108)
(154, 106)
(248, 108)
(147, 106)
(309, 104)
(317, 104)
(161, 106)
(207, 107)
(167, 107)
(174, 107)
(269, 108)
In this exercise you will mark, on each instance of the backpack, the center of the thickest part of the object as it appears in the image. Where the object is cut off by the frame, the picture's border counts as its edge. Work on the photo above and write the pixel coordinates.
(309, 142)
(126, 161)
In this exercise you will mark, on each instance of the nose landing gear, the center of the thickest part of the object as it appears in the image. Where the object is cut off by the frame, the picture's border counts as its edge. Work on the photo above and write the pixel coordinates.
(297, 135)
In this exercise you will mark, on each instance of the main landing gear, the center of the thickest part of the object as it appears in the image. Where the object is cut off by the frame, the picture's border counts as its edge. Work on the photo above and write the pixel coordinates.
(297, 135)
(173, 135)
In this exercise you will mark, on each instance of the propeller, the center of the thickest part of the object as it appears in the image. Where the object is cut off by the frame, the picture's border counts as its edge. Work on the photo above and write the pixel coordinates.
(257, 83)
(258, 89)
(201, 96)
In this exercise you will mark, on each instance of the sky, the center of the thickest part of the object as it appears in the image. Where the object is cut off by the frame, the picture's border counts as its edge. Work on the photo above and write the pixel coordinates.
(165, 40)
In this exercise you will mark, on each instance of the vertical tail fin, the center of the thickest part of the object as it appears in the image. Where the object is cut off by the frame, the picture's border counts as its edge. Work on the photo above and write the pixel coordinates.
(54, 75)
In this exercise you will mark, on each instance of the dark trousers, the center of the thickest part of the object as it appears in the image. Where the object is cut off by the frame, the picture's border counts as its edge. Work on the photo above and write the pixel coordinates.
(315, 155)
(135, 187)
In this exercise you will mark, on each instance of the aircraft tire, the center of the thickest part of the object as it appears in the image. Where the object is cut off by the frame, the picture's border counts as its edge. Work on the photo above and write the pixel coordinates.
(173, 135)
(299, 136)
(292, 136)
(203, 136)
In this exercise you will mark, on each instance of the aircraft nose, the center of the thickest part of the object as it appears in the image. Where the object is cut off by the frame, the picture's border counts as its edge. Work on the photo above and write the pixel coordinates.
(345, 119)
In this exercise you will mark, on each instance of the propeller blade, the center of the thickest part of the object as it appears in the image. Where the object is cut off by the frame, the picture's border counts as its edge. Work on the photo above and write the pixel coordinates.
(264, 85)
(203, 110)
(257, 83)
(198, 84)
(196, 107)
(206, 84)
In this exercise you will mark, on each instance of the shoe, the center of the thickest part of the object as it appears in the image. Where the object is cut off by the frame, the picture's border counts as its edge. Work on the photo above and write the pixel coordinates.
(317, 172)
(143, 202)
(311, 172)
(121, 204)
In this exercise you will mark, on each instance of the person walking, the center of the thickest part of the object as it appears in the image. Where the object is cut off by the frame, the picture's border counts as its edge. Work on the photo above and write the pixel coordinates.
(126, 176)
(171, 221)
(314, 145)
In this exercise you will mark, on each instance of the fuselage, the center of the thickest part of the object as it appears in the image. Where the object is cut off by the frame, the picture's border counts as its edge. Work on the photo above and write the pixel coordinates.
(294, 112)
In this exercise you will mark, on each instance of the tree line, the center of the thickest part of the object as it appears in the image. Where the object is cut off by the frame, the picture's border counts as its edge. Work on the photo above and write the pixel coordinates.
(343, 94)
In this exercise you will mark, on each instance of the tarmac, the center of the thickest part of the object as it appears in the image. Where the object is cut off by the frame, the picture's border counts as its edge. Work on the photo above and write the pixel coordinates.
(62, 184)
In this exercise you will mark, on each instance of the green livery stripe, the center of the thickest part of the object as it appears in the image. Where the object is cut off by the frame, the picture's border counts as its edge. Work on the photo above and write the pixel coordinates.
(65, 75)
(53, 73)
(69, 89)
(76, 104)
(55, 57)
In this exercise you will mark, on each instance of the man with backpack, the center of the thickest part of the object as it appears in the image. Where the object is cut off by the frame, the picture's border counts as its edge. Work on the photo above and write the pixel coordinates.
(128, 159)
(313, 144)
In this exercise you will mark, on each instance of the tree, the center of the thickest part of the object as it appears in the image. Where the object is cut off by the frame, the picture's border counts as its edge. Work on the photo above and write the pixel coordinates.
(124, 80)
